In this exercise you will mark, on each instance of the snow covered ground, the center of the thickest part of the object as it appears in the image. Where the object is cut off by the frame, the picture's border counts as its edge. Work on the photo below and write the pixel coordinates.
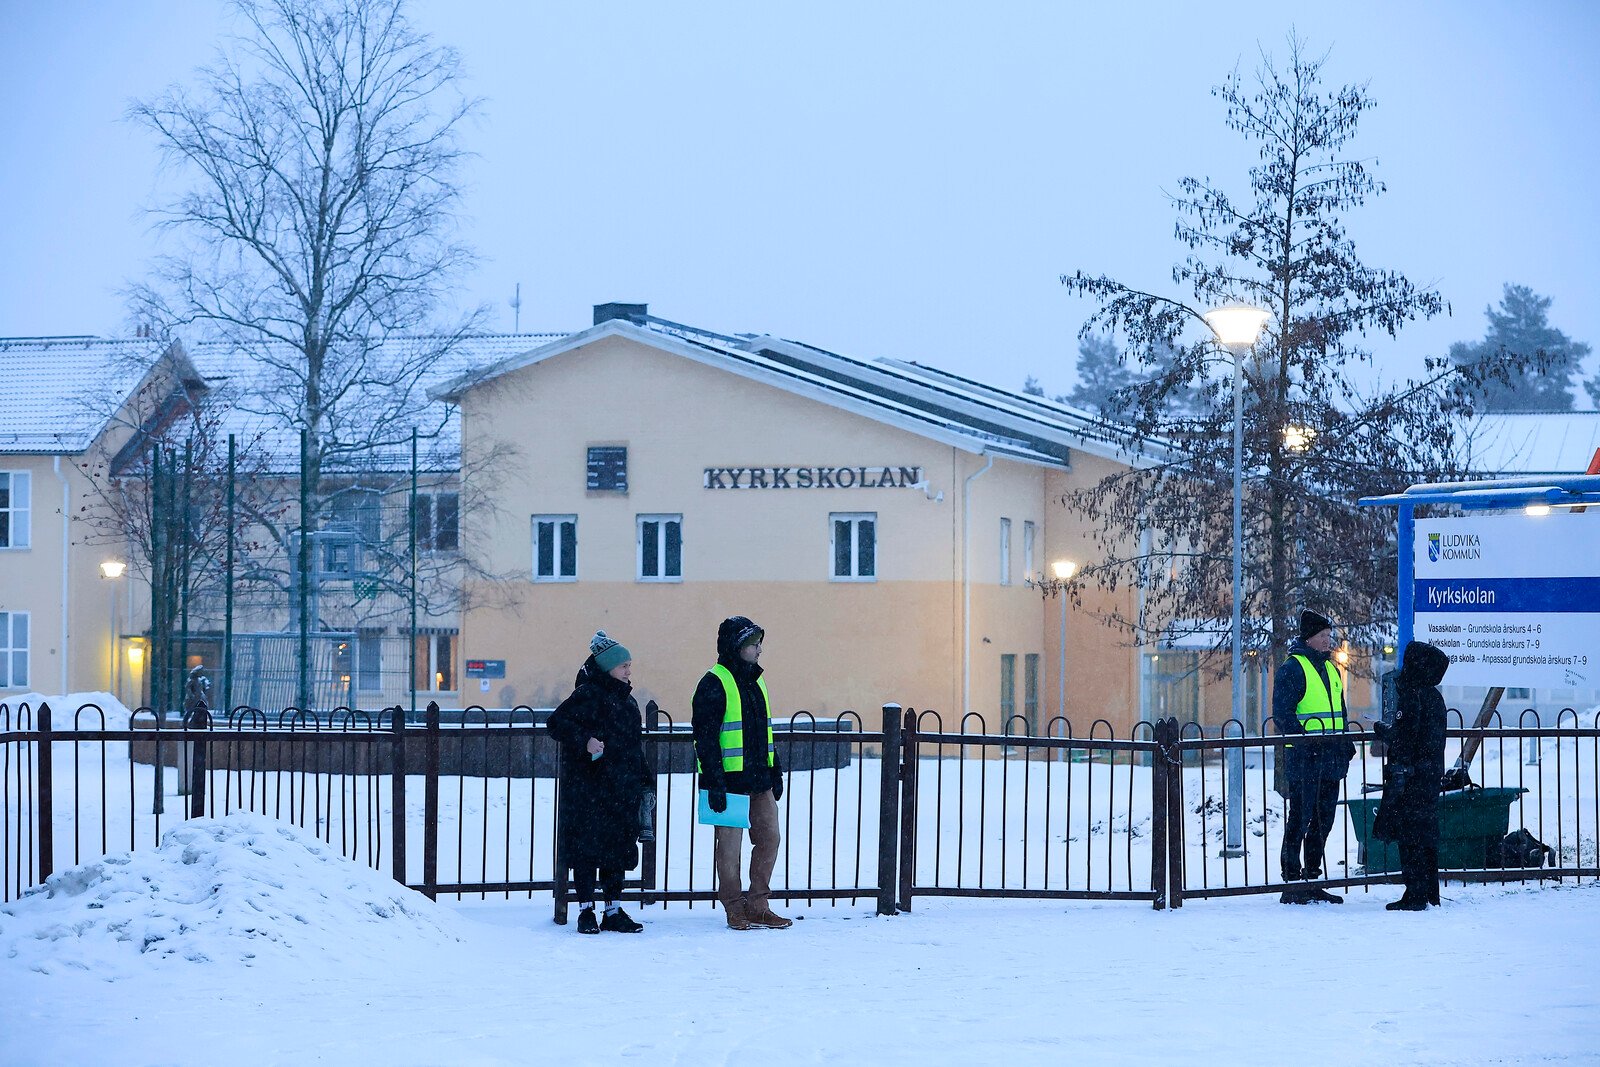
(245, 940)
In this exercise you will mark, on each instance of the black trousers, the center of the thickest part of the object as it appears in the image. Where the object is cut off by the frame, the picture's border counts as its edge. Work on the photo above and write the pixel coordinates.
(1312, 802)
(583, 883)
(1419, 869)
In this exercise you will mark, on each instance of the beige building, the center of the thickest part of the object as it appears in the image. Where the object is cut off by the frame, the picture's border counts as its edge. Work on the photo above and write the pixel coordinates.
(885, 522)
(68, 598)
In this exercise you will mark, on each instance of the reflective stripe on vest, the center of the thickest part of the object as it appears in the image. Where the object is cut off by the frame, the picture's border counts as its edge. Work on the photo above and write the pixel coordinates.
(1322, 708)
(731, 737)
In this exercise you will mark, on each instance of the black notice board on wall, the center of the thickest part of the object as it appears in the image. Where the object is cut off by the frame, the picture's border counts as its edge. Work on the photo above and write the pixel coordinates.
(608, 468)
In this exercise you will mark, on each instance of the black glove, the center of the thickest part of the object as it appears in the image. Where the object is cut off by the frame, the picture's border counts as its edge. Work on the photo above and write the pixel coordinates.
(718, 798)
(777, 787)
(1379, 729)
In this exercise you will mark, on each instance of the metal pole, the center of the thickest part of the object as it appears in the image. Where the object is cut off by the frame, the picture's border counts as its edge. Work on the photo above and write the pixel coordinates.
(1061, 669)
(303, 687)
(184, 576)
(1233, 845)
(411, 659)
(227, 591)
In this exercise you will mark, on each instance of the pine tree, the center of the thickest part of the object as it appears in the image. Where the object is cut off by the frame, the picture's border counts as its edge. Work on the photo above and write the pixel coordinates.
(1521, 327)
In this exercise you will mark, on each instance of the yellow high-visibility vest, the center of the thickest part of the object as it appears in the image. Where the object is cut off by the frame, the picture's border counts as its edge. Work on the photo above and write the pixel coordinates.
(731, 737)
(1321, 710)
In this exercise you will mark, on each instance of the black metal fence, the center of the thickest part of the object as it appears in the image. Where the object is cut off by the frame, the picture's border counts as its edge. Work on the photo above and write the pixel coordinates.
(911, 809)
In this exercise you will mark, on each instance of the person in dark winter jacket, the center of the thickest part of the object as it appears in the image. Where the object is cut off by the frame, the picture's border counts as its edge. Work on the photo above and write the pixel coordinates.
(733, 744)
(603, 780)
(1308, 701)
(1413, 769)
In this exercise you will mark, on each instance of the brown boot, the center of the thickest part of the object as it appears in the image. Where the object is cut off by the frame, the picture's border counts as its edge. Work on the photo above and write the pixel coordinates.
(767, 919)
(738, 916)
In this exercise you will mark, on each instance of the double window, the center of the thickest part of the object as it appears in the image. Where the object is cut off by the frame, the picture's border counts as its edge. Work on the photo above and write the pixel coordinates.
(13, 649)
(438, 522)
(855, 545)
(436, 662)
(555, 548)
(15, 508)
(660, 548)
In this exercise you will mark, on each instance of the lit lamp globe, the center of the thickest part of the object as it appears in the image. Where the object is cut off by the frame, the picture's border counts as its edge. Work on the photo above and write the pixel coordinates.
(1237, 327)
(112, 568)
(1063, 569)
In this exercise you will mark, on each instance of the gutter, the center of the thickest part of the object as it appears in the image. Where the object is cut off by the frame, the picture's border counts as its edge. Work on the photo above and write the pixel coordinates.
(66, 545)
(966, 582)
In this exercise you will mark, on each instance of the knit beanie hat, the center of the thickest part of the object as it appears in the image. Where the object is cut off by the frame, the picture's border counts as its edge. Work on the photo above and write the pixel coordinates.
(608, 654)
(1312, 624)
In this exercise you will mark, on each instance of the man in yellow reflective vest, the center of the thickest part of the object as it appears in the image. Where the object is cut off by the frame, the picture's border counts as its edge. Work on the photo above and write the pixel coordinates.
(1308, 706)
(736, 753)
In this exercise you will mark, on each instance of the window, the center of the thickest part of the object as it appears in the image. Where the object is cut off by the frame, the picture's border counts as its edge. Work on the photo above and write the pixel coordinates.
(660, 541)
(1030, 690)
(369, 661)
(855, 546)
(1008, 689)
(608, 469)
(337, 554)
(436, 662)
(1028, 573)
(1005, 551)
(357, 509)
(13, 649)
(15, 497)
(438, 522)
(555, 548)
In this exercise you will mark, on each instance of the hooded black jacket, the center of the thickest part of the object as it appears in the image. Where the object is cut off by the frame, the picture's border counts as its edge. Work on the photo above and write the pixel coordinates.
(711, 703)
(599, 819)
(1414, 762)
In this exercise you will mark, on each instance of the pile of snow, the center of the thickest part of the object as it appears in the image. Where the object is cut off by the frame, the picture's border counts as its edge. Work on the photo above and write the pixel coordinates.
(228, 889)
(75, 711)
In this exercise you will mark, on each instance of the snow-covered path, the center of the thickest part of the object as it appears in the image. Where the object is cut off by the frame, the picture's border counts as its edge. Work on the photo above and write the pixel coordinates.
(1499, 975)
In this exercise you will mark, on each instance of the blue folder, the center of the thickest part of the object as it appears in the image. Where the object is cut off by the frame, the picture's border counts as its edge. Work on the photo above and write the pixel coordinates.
(737, 813)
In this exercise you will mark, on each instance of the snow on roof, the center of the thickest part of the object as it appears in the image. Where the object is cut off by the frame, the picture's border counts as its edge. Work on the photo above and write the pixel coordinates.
(1549, 442)
(246, 386)
(58, 393)
(945, 407)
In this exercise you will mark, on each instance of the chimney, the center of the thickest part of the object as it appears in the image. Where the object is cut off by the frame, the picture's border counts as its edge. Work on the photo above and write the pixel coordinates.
(626, 312)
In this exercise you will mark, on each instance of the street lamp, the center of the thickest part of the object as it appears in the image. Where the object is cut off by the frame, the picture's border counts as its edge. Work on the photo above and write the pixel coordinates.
(111, 570)
(1236, 329)
(1063, 569)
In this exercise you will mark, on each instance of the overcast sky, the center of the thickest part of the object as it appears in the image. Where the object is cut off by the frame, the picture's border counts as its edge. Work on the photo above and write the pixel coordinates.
(900, 179)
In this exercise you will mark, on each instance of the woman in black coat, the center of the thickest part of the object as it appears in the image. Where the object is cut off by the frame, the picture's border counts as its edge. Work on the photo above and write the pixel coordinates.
(603, 780)
(1413, 769)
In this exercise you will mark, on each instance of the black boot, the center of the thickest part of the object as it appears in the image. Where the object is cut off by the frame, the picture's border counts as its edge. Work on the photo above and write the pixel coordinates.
(586, 923)
(1406, 904)
(619, 922)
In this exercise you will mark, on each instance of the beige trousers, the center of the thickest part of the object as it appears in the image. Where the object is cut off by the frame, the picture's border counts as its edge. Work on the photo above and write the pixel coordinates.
(729, 849)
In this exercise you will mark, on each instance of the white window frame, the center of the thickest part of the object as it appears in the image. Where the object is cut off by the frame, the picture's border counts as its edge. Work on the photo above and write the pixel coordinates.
(855, 519)
(429, 526)
(10, 649)
(662, 520)
(19, 510)
(1005, 551)
(432, 666)
(369, 643)
(555, 549)
(1029, 534)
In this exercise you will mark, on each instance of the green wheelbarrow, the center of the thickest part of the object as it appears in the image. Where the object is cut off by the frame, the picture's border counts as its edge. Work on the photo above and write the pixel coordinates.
(1472, 823)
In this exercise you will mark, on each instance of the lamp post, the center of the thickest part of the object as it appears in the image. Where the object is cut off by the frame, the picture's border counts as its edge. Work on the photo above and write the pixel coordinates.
(111, 570)
(1063, 569)
(1236, 329)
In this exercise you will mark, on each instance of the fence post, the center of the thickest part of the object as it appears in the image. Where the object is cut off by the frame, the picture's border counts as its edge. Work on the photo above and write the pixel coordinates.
(47, 807)
(908, 808)
(1158, 816)
(199, 718)
(647, 831)
(1173, 756)
(397, 794)
(888, 809)
(430, 807)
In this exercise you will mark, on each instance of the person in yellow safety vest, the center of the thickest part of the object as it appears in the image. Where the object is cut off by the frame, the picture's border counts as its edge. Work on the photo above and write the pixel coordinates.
(1307, 703)
(735, 752)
